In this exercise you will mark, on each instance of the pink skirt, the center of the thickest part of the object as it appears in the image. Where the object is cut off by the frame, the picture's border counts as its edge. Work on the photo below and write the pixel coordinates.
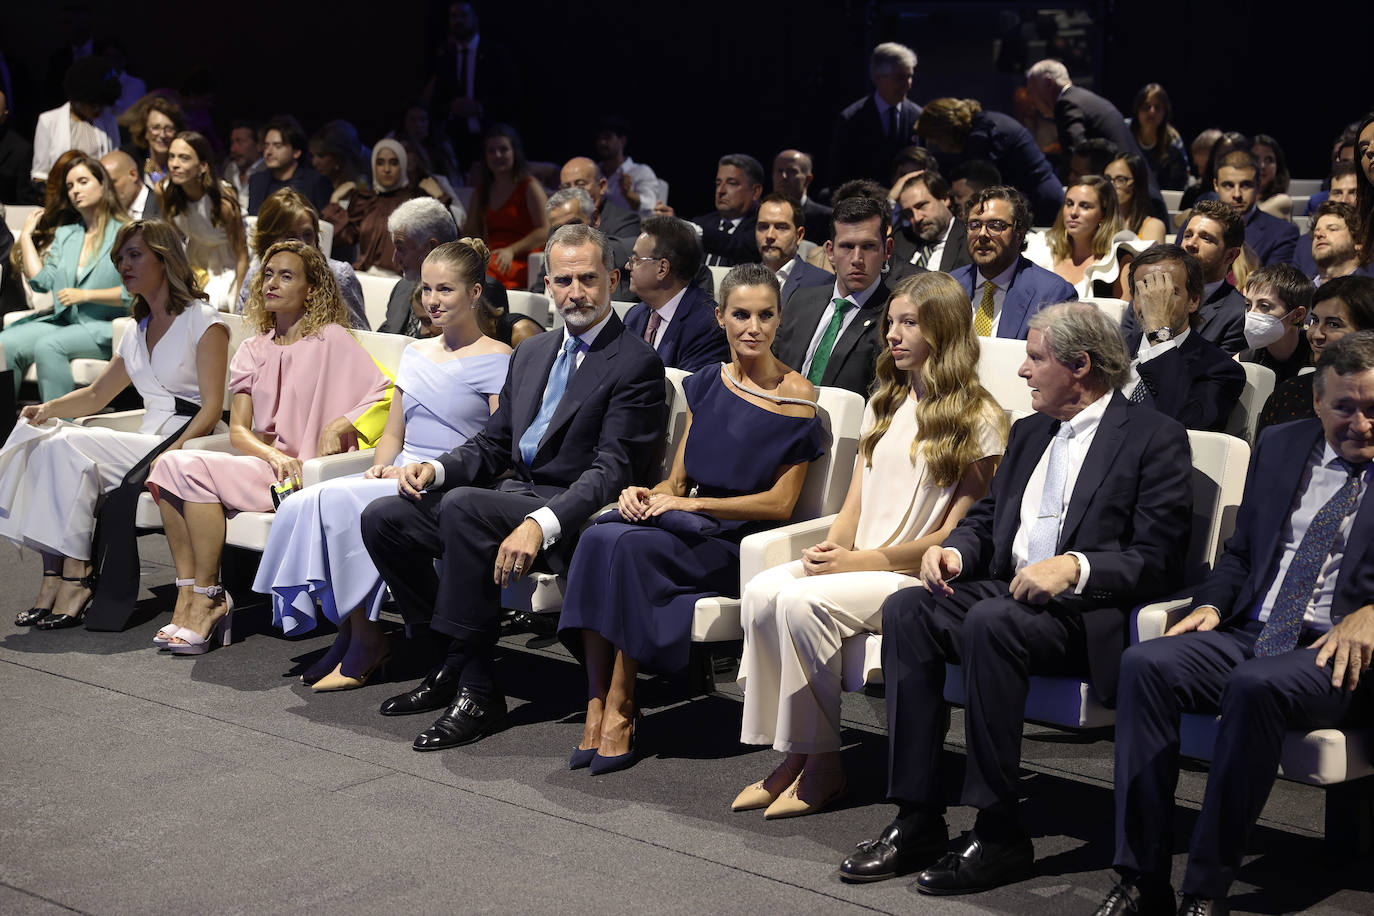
(240, 483)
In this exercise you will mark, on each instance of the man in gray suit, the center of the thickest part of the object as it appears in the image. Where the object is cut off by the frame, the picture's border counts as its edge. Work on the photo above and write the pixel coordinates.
(779, 232)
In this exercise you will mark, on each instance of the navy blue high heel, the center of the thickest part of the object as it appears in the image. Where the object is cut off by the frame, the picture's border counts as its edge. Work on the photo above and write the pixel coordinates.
(581, 758)
(601, 765)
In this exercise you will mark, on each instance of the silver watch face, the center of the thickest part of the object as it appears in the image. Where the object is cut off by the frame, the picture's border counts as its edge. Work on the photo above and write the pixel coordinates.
(1160, 335)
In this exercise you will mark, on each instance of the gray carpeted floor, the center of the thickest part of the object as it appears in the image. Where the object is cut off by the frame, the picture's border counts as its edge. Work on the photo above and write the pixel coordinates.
(140, 783)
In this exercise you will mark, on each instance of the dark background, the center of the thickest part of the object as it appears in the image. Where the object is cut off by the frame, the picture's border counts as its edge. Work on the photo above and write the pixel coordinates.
(697, 80)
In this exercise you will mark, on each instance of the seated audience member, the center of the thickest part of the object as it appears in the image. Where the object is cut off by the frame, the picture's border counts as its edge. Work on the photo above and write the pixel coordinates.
(1205, 189)
(567, 206)
(56, 209)
(507, 207)
(286, 214)
(932, 437)
(1277, 641)
(958, 130)
(1215, 235)
(153, 122)
(833, 334)
(1200, 155)
(206, 211)
(1161, 145)
(910, 161)
(1090, 157)
(82, 277)
(1081, 523)
(1081, 246)
(16, 158)
(283, 142)
(488, 529)
(1277, 301)
(1177, 372)
(1272, 183)
(727, 234)
(1334, 249)
(632, 185)
(744, 469)
(792, 177)
(137, 199)
(84, 122)
(967, 180)
(417, 227)
(871, 131)
(57, 471)
(673, 316)
(336, 152)
(1341, 307)
(612, 219)
(1126, 173)
(244, 159)
(1364, 186)
(1007, 289)
(1343, 183)
(778, 233)
(858, 187)
(432, 149)
(930, 235)
(363, 223)
(446, 389)
(1272, 239)
(303, 378)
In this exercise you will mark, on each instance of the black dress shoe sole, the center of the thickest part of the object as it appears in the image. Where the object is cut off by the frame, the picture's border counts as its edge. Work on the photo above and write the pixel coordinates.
(1014, 877)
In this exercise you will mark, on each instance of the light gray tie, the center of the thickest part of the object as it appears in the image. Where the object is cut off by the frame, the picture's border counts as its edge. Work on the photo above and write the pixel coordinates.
(1044, 534)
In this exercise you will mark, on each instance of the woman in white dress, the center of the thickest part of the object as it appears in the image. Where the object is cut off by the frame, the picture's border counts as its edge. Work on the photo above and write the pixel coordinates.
(51, 473)
(1082, 245)
(932, 437)
(446, 388)
(206, 210)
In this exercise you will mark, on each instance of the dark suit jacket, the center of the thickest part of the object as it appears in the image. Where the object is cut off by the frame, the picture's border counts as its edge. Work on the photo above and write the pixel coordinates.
(605, 434)
(496, 82)
(618, 222)
(802, 276)
(693, 339)
(854, 358)
(1132, 500)
(309, 182)
(16, 158)
(738, 247)
(1032, 288)
(1197, 383)
(1273, 240)
(861, 147)
(1222, 316)
(905, 245)
(1245, 570)
(1082, 115)
(1001, 140)
(817, 220)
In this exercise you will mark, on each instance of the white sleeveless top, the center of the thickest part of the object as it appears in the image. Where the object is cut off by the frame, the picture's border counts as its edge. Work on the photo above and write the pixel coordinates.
(170, 370)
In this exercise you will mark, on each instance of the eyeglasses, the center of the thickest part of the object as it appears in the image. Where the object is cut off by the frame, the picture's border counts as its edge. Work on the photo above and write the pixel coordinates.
(165, 130)
(993, 226)
(1123, 181)
(630, 264)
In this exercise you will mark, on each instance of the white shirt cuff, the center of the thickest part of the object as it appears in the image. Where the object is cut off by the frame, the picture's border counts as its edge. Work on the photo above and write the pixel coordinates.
(438, 480)
(548, 523)
(1149, 351)
(1084, 570)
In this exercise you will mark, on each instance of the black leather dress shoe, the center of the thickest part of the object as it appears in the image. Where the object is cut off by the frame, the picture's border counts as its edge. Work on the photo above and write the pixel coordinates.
(470, 719)
(436, 691)
(896, 853)
(1132, 898)
(980, 866)
(1202, 906)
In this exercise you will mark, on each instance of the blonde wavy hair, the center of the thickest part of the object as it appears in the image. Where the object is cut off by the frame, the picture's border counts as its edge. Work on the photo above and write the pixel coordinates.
(954, 402)
(323, 304)
(164, 241)
(1107, 228)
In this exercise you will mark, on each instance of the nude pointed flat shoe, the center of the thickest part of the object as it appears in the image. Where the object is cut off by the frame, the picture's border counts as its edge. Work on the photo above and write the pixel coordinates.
(337, 680)
(791, 804)
(752, 798)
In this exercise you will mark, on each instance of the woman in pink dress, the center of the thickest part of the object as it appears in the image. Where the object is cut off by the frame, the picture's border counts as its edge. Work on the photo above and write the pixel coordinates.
(507, 207)
(298, 387)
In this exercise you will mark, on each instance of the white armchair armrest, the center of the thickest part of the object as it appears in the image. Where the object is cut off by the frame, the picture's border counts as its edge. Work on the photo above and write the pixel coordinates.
(11, 317)
(328, 467)
(1152, 620)
(124, 421)
(777, 546)
(216, 443)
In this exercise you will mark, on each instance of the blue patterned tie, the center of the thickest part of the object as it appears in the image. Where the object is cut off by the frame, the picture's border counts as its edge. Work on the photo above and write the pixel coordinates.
(1044, 534)
(1280, 633)
(553, 393)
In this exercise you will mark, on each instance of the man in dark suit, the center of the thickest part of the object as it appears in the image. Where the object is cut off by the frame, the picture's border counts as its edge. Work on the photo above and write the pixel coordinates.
(792, 177)
(930, 236)
(833, 334)
(417, 227)
(673, 316)
(1273, 240)
(1215, 235)
(283, 142)
(778, 234)
(1176, 371)
(581, 415)
(727, 234)
(473, 84)
(1279, 638)
(871, 132)
(16, 157)
(1006, 289)
(612, 219)
(1081, 523)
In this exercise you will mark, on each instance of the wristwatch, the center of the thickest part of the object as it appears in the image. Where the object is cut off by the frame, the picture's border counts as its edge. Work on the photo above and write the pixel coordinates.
(1160, 335)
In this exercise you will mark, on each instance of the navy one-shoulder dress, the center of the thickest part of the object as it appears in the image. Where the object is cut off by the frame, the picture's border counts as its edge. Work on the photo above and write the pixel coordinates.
(638, 584)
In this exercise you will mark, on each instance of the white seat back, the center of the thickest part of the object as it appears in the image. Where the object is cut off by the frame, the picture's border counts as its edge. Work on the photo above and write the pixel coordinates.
(1259, 384)
(1172, 199)
(15, 217)
(376, 294)
(827, 479)
(998, 362)
(677, 418)
(533, 306)
(326, 238)
(1112, 308)
(1300, 203)
(1219, 466)
(536, 269)
(718, 276)
(1304, 223)
(622, 308)
(386, 349)
(1304, 186)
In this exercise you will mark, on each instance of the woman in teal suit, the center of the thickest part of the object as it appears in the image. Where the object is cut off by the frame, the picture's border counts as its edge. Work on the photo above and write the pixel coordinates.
(78, 271)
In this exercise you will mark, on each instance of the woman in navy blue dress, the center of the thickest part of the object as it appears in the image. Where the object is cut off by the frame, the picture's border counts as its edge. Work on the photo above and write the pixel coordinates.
(637, 574)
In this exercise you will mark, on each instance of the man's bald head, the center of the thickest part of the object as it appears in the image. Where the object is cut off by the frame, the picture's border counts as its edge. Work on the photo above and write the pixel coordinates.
(581, 172)
(123, 175)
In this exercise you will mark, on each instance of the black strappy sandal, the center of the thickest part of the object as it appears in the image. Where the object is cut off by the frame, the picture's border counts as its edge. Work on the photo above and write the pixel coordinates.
(34, 614)
(59, 621)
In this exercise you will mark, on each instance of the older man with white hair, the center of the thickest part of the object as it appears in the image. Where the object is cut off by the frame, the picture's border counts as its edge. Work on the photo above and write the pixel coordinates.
(871, 132)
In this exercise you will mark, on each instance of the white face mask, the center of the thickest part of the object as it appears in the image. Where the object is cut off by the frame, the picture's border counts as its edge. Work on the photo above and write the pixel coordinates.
(1261, 330)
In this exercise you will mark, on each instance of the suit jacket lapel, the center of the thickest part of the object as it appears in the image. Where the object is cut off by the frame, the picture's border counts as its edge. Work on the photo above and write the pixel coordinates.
(850, 336)
(1106, 445)
(529, 397)
(958, 239)
(1015, 304)
(588, 376)
(801, 324)
(1285, 479)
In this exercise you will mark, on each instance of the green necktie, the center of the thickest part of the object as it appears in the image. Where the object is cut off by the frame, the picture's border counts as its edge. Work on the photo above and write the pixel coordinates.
(832, 331)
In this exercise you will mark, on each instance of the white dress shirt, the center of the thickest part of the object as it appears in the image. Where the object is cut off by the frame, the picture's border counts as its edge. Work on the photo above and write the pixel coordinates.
(858, 299)
(937, 252)
(1147, 352)
(643, 182)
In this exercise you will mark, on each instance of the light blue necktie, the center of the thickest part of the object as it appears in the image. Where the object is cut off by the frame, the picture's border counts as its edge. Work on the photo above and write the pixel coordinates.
(1044, 534)
(553, 393)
